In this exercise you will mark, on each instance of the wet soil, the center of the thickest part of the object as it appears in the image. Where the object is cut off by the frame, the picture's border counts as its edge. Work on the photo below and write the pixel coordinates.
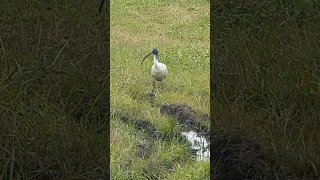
(181, 112)
(145, 147)
(185, 116)
(143, 126)
(231, 156)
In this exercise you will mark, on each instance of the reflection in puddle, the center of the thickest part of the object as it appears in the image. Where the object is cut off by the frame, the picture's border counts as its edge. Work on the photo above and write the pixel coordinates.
(198, 143)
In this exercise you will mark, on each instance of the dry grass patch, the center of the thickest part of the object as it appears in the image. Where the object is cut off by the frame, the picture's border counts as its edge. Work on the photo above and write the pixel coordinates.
(122, 36)
(175, 13)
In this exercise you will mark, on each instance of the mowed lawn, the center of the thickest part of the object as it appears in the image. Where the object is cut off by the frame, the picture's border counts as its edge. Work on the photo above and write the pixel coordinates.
(180, 32)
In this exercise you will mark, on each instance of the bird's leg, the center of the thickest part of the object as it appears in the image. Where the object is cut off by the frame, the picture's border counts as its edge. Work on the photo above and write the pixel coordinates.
(153, 84)
(162, 82)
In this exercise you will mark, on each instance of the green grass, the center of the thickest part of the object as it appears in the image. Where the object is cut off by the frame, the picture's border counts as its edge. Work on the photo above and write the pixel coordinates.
(266, 73)
(53, 90)
(180, 31)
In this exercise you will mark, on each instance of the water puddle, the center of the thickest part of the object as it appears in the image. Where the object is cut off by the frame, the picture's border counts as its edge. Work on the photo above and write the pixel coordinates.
(198, 143)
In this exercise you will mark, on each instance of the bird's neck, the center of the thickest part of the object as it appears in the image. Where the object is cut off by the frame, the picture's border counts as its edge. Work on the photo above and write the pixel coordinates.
(155, 60)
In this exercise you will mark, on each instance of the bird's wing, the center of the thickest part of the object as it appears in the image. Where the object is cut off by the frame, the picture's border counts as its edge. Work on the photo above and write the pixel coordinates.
(153, 70)
(166, 73)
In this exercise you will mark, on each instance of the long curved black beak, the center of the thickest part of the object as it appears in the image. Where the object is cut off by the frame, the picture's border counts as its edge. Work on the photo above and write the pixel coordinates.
(146, 57)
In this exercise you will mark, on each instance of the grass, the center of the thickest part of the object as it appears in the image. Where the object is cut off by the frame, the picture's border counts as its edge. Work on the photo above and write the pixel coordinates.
(266, 73)
(53, 85)
(180, 31)
(53, 90)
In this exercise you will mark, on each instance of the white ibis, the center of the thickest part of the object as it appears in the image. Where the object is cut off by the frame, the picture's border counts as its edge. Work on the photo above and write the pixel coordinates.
(158, 71)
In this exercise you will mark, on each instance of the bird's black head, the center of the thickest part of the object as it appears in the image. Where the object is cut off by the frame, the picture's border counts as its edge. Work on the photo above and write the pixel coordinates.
(154, 51)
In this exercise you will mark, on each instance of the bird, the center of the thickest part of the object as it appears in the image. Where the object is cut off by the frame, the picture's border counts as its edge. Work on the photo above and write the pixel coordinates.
(158, 71)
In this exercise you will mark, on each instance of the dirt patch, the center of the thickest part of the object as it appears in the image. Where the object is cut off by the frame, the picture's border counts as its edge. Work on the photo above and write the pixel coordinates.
(143, 126)
(197, 135)
(181, 112)
(147, 127)
(150, 97)
(144, 149)
(185, 116)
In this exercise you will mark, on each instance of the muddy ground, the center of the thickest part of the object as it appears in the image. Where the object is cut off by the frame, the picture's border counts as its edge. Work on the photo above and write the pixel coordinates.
(231, 157)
